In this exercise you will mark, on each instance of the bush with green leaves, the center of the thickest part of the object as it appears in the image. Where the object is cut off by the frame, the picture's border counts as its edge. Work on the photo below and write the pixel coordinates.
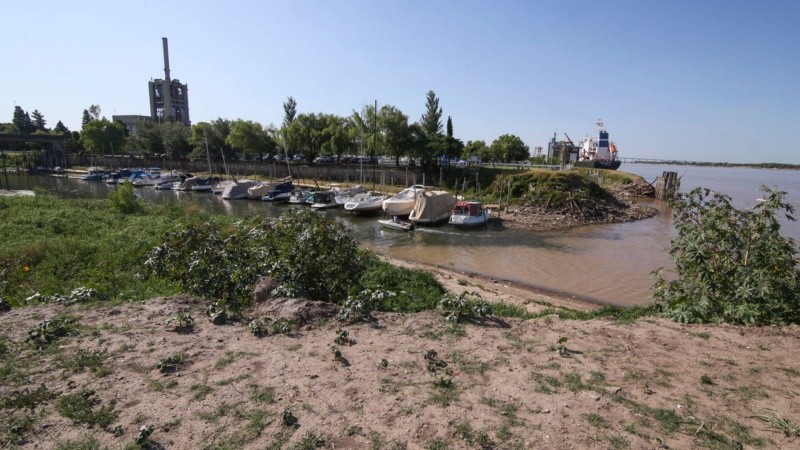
(124, 200)
(466, 306)
(49, 330)
(731, 265)
(307, 254)
(182, 322)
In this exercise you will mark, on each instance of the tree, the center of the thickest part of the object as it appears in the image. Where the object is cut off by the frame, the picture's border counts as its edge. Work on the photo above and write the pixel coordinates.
(310, 132)
(103, 136)
(216, 132)
(432, 119)
(449, 127)
(175, 139)
(367, 123)
(95, 110)
(38, 120)
(510, 148)
(338, 134)
(250, 139)
(61, 128)
(73, 143)
(732, 265)
(86, 118)
(23, 121)
(396, 131)
(289, 111)
(147, 140)
(476, 148)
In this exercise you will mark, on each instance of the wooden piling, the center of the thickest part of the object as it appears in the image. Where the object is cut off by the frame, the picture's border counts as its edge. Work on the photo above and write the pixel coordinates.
(667, 185)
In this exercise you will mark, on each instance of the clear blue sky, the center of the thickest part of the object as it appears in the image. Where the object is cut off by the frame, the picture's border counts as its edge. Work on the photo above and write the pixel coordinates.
(696, 80)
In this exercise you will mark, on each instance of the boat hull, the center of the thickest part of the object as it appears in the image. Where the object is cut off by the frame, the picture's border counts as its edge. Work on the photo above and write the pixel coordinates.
(598, 164)
(400, 225)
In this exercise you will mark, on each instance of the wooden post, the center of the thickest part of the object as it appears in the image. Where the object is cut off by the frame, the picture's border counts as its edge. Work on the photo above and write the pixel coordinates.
(667, 185)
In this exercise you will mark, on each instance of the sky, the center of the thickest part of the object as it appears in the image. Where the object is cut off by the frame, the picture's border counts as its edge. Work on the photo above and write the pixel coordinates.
(707, 80)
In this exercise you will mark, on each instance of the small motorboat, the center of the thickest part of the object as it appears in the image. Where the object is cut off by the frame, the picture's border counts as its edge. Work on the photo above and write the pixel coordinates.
(365, 203)
(469, 214)
(279, 193)
(301, 197)
(324, 200)
(396, 223)
(94, 174)
(205, 184)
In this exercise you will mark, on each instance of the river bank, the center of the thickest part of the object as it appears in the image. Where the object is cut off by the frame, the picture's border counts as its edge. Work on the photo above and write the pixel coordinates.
(404, 381)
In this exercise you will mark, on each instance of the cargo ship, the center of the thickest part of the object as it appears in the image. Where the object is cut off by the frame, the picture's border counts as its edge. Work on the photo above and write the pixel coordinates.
(599, 153)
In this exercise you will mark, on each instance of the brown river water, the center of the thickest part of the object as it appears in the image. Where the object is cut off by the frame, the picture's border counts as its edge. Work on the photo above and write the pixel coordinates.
(608, 263)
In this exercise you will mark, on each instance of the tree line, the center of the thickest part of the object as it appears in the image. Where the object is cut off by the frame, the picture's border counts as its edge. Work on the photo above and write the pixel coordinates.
(372, 131)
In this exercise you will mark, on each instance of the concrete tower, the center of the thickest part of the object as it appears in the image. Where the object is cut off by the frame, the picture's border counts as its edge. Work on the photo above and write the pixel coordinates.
(169, 99)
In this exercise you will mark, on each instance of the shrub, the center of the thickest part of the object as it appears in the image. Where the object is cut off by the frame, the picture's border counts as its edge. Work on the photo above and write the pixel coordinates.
(124, 200)
(732, 265)
(306, 253)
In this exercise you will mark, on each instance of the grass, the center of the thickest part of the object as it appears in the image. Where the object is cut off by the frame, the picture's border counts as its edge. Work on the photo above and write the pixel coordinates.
(83, 408)
(200, 391)
(26, 398)
(81, 360)
(68, 243)
(262, 395)
(443, 393)
(619, 314)
(596, 420)
(229, 359)
(785, 426)
(84, 443)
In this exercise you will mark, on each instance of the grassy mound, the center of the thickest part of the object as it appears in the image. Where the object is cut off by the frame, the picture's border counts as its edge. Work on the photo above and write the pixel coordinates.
(549, 190)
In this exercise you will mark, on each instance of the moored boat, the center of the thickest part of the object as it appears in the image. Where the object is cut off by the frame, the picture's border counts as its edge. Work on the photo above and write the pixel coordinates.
(280, 192)
(324, 200)
(396, 223)
(365, 203)
(204, 184)
(237, 190)
(94, 174)
(432, 208)
(402, 203)
(469, 214)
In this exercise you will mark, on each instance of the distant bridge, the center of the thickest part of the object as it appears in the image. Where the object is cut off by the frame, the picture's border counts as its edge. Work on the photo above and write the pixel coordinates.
(53, 141)
(635, 160)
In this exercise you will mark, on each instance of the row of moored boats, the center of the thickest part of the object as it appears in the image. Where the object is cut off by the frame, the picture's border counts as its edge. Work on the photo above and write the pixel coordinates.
(416, 205)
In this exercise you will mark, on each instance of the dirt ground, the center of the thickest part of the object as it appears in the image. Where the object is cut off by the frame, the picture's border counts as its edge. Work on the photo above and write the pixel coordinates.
(544, 383)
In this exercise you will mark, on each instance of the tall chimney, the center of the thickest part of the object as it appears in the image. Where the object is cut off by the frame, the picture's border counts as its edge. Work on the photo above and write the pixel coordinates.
(166, 59)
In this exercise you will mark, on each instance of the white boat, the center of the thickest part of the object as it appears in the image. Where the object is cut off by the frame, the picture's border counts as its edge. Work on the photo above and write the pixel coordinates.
(94, 174)
(238, 190)
(365, 203)
(280, 192)
(169, 180)
(395, 223)
(204, 184)
(219, 187)
(258, 190)
(432, 208)
(301, 197)
(324, 200)
(345, 195)
(469, 214)
(402, 203)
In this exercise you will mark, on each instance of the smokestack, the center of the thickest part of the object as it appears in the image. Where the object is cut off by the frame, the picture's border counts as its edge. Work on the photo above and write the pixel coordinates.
(166, 59)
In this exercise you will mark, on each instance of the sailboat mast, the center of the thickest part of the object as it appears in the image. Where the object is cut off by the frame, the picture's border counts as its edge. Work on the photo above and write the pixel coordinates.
(208, 157)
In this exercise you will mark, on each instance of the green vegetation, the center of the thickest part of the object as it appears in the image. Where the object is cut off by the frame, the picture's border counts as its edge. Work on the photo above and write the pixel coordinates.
(124, 200)
(552, 190)
(50, 245)
(83, 408)
(732, 265)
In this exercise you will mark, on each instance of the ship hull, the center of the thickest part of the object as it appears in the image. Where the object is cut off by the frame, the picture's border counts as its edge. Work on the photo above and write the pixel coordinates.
(597, 164)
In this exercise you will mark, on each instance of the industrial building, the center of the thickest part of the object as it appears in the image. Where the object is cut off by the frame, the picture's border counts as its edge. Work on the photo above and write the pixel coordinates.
(169, 99)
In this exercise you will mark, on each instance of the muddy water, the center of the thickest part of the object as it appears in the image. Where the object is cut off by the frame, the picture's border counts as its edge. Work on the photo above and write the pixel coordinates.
(603, 263)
